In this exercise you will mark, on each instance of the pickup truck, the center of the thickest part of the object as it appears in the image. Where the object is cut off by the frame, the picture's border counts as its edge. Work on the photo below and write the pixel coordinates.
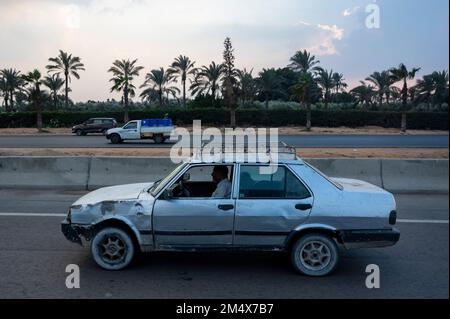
(156, 129)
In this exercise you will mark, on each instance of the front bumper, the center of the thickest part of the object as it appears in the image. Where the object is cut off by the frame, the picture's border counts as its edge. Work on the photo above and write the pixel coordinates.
(369, 238)
(74, 233)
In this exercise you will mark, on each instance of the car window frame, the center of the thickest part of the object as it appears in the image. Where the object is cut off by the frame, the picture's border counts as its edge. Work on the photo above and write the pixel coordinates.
(188, 167)
(135, 128)
(272, 198)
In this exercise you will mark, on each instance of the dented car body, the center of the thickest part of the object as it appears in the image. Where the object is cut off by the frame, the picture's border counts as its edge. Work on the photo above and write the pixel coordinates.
(296, 209)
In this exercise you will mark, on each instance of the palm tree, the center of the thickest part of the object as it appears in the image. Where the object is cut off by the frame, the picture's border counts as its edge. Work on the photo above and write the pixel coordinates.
(326, 82)
(269, 83)
(363, 93)
(54, 83)
(68, 65)
(246, 86)
(305, 90)
(433, 88)
(34, 79)
(382, 81)
(182, 67)
(303, 61)
(159, 81)
(124, 72)
(4, 92)
(338, 81)
(13, 82)
(403, 74)
(207, 80)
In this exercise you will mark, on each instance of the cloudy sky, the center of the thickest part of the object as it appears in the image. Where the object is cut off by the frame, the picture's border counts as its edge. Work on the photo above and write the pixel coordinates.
(265, 33)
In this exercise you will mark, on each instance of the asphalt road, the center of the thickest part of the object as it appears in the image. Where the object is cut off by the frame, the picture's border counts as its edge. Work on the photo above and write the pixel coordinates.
(34, 255)
(310, 141)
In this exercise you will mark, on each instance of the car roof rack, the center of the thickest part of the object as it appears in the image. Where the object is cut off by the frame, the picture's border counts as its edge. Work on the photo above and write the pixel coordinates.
(243, 152)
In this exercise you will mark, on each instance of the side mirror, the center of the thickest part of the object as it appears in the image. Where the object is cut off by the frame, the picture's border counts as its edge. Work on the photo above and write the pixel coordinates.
(186, 177)
(167, 194)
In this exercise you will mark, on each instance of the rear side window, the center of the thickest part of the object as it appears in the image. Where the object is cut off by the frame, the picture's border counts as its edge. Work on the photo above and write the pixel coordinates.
(107, 121)
(282, 183)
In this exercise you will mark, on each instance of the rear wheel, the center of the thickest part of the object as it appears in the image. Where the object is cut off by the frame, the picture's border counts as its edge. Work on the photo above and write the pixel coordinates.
(115, 139)
(112, 248)
(315, 255)
(159, 139)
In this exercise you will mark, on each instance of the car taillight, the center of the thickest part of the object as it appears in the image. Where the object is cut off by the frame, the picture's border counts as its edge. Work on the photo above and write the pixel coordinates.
(392, 217)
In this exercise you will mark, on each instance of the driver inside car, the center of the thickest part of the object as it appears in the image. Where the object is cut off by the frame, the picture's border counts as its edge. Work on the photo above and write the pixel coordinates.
(220, 177)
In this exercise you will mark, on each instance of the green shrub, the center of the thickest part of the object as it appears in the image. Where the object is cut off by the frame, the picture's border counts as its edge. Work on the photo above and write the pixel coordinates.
(245, 117)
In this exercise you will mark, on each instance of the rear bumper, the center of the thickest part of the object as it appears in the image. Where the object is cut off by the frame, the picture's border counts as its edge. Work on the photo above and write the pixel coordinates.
(369, 238)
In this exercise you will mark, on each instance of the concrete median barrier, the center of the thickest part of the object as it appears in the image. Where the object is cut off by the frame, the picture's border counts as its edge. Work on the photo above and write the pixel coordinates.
(44, 172)
(107, 171)
(395, 175)
(419, 176)
(364, 169)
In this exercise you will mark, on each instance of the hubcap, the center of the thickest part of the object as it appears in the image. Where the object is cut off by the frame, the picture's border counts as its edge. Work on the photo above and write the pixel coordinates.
(112, 249)
(315, 255)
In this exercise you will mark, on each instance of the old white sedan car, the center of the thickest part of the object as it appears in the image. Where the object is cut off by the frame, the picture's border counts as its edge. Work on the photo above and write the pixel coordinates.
(293, 208)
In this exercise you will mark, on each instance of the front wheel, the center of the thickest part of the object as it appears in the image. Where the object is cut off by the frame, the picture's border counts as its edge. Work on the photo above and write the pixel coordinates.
(115, 139)
(112, 248)
(315, 255)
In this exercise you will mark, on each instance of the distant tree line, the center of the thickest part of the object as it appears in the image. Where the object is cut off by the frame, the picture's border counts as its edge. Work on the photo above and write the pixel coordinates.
(222, 85)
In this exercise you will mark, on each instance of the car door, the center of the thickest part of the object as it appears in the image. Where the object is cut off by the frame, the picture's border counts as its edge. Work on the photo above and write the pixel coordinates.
(89, 126)
(130, 131)
(271, 201)
(193, 221)
(97, 126)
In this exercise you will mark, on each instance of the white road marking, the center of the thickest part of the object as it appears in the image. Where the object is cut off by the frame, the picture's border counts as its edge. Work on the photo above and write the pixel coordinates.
(423, 221)
(32, 214)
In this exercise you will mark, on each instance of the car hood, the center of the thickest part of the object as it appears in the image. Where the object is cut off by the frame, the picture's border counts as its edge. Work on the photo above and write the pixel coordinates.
(114, 130)
(113, 193)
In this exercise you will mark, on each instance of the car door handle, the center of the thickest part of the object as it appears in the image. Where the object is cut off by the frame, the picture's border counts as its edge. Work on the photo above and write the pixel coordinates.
(226, 207)
(303, 206)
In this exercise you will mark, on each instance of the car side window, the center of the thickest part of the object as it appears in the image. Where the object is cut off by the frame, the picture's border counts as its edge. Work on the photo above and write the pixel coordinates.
(98, 122)
(198, 182)
(281, 183)
(130, 126)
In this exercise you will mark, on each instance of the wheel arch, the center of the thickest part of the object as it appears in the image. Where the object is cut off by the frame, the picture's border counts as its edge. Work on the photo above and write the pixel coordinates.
(124, 225)
(310, 229)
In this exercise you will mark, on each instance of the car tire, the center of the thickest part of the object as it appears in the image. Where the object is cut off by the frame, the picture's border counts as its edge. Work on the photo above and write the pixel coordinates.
(112, 248)
(159, 139)
(315, 255)
(115, 139)
(79, 132)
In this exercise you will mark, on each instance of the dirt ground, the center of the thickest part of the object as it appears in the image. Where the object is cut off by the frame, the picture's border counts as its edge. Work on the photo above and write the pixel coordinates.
(302, 152)
(290, 130)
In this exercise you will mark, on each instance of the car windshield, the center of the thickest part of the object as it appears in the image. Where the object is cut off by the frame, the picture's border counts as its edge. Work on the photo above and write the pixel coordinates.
(159, 185)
